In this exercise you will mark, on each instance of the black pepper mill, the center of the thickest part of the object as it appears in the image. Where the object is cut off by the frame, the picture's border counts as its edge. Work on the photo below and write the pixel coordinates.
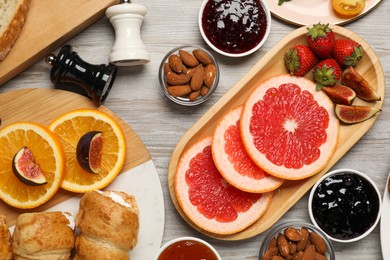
(69, 68)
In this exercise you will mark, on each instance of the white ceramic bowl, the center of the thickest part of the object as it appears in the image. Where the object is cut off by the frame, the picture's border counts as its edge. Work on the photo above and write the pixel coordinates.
(173, 241)
(242, 54)
(338, 172)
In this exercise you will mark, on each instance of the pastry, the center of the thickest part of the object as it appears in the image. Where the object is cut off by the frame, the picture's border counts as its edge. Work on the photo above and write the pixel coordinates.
(13, 14)
(5, 240)
(108, 224)
(45, 235)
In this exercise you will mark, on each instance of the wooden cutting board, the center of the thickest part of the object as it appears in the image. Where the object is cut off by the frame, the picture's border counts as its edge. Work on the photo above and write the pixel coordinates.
(43, 106)
(49, 24)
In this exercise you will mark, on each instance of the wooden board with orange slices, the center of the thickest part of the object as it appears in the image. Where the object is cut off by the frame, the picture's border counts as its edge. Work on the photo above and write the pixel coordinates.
(42, 106)
(271, 64)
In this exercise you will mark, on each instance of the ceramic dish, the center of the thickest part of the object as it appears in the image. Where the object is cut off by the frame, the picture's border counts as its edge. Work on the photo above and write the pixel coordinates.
(188, 244)
(185, 100)
(241, 53)
(350, 223)
(280, 228)
(385, 226)
(269, 65)
(303, 12)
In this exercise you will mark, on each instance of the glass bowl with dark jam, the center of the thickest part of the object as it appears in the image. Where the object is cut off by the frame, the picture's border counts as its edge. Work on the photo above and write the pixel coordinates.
(188, 248)
(345, 204)
(234, 28)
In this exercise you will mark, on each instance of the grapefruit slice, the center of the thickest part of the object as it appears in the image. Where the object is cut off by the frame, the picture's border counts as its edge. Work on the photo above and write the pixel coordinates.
(208, 200)
(288, 128)
(232, 160)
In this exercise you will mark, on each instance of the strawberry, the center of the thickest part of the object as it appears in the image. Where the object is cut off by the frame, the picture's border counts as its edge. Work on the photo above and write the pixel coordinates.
(299, 60)
(321, 40)
(347, 52)
(327, 73)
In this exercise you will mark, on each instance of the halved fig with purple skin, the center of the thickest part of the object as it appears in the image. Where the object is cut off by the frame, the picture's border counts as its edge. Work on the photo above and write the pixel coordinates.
(351, 78)
(26, 169)
(340, 94)
(355, 114)
(89, 151)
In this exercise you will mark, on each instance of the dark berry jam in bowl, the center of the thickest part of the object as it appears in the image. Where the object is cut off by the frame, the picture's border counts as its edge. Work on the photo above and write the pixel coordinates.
(234, 28)
(345, 204)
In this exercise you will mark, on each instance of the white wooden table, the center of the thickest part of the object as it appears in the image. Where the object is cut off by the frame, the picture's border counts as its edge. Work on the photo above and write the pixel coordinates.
(138, 99)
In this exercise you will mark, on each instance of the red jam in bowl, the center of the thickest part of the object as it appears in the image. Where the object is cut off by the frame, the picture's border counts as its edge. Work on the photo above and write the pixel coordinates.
(188, 250)
(234, 26)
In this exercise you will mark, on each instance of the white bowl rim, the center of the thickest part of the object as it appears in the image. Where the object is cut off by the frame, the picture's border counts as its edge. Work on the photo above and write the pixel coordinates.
(171, 242)
(236, 55)
(346, 170)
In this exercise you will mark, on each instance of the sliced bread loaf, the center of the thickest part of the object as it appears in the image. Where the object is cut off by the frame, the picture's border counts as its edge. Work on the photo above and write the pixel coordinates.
(13, 14)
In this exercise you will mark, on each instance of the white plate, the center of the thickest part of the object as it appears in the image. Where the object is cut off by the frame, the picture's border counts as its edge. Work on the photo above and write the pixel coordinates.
(385, 224)
(142, 182)
(304, 12)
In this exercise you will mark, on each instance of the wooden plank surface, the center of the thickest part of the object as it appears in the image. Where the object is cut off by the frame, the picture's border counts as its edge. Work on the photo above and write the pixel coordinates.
(43, 106)
(271, 65)
(49, 24)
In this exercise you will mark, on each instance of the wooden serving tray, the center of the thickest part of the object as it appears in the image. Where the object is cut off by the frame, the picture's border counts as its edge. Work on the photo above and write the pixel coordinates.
(43, 106)
(49, 24)
(270, 65)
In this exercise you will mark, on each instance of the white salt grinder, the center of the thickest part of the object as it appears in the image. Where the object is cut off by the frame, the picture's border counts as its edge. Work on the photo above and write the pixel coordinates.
(128, 49)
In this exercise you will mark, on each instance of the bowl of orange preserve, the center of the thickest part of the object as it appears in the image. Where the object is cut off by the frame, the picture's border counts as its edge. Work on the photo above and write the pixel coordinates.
(189, 248)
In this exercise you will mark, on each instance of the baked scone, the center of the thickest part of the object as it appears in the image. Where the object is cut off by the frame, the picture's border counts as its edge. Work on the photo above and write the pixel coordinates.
(13, 14)
(44, 235)
(5, 240)
(108, 224)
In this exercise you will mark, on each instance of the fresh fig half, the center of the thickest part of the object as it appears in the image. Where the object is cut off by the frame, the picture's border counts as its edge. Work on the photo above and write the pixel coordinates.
(351, 78)
(340, 94)
(89, 151)
(26, 169)
(355, 114)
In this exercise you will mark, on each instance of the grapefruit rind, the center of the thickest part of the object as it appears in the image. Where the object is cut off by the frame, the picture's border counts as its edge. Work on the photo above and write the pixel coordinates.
(70, 147)
(326, 150)
(226, 167)
(44, 139)
(243, 220)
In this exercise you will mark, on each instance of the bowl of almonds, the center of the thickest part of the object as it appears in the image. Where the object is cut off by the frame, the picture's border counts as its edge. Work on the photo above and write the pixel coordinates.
(188, 75)
(296, 240)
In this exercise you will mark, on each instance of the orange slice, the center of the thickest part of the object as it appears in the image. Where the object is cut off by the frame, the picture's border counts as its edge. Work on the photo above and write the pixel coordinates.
(288, 128)
(49, 155)
(208, 200)
(232, 160)
(70, 127)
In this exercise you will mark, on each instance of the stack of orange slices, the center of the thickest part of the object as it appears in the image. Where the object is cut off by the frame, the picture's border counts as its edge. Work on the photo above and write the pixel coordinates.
(54, 152)
(285, 130)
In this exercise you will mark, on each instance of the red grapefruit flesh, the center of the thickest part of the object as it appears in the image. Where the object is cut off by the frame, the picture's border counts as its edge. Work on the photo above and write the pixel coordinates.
(208, 200)
(288, 128)
(232, 160)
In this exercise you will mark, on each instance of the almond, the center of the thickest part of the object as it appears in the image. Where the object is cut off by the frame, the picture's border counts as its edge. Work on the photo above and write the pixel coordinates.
(309, 253)
(210, 73)
(167, 68)
(197, 78)
(188, 59)
(283, 245)
(318, 242)
(194, 95)
(298, 256)
(202, 57)
(272, 243)
(270, 253)
(177, 79)
(292, 234)
(179, 91)
(292, 248)
(204, 90)
(175, 63)
(319, 256)
(305, 238)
